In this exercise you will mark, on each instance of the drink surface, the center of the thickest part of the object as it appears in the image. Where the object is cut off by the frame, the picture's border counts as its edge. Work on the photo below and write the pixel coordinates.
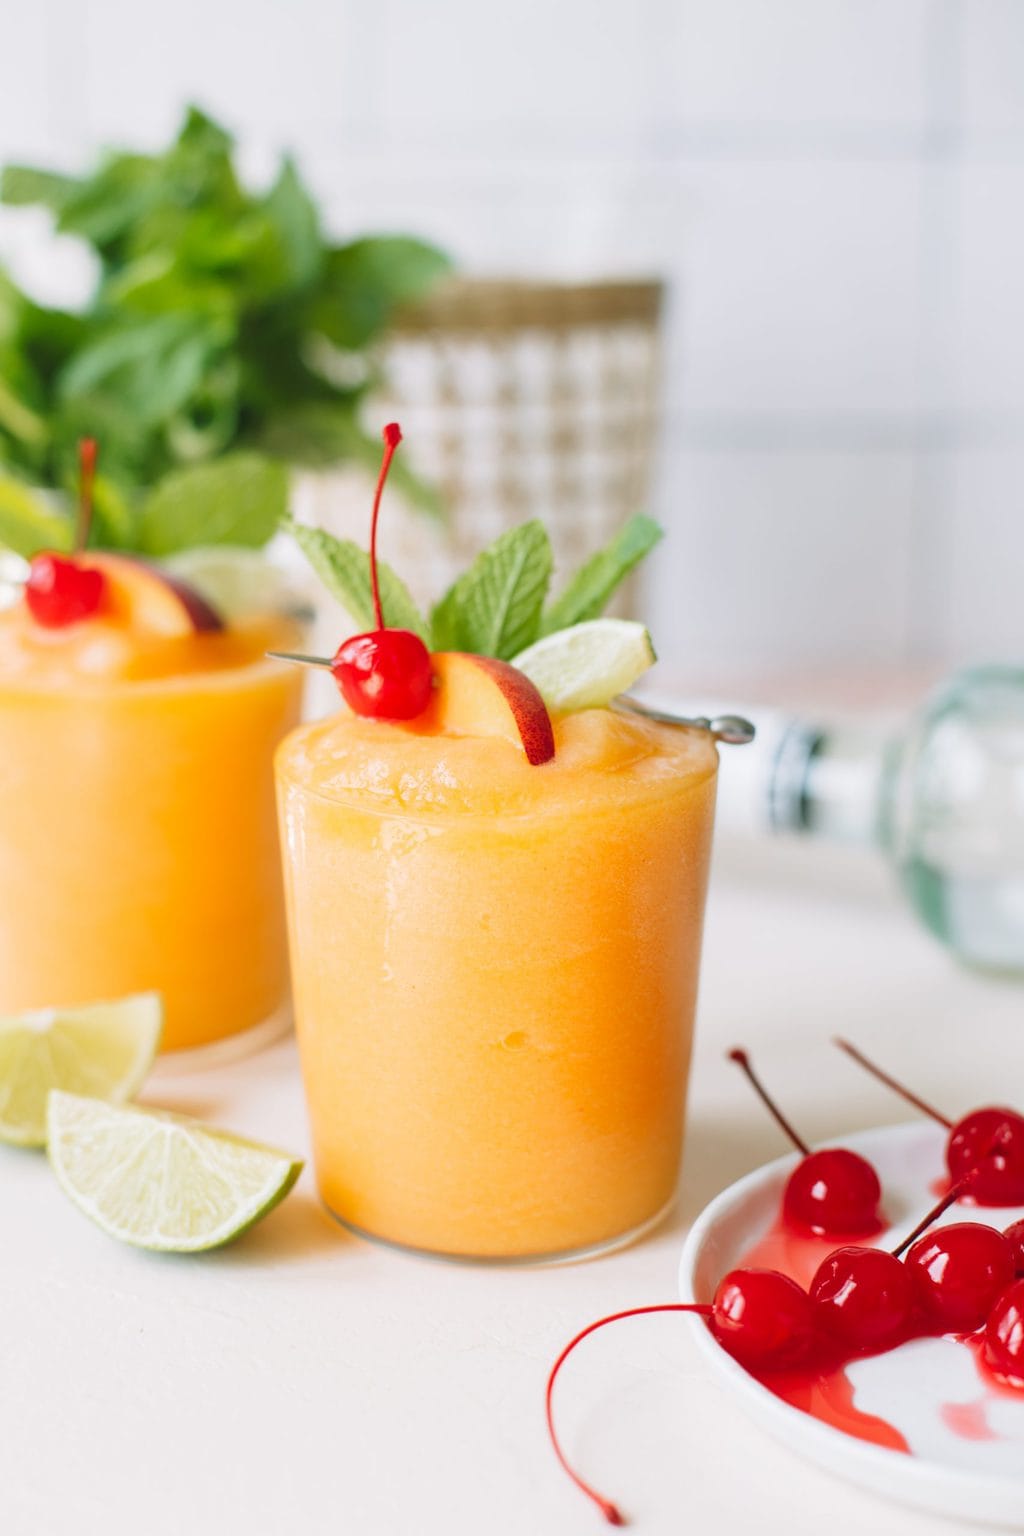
(602, 760)
(138, 844)
(495, 968)
(104, 651)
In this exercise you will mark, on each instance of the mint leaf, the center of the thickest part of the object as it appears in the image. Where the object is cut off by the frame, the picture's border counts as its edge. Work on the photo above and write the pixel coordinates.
(27, 524)
(294, 216)
(344, 569)
(494, 608)
(23, 185)
(19, 419)
(237, 500)
(588, 591)
(365, 281)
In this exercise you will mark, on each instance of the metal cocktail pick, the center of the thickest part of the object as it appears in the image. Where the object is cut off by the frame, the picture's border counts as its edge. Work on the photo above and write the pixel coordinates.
(731, 729)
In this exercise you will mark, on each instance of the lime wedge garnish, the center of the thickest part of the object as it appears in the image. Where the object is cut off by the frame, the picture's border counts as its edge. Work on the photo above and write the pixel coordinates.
(239, 583)
(586, 666)
(159, 1180)
(104, 1049)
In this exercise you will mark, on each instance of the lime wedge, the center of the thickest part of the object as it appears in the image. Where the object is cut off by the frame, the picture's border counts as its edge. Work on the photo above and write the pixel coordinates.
(104, 1050)
(162, 1181)
(587, 665)
(239, 583)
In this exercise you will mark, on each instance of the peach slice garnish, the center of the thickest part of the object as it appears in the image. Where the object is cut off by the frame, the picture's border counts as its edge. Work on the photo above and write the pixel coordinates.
(480, 696)
(147, 599)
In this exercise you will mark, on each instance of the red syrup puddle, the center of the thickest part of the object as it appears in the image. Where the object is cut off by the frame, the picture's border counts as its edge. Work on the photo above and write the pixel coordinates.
(798, 1254)
(968, 1420)
(826, 1393)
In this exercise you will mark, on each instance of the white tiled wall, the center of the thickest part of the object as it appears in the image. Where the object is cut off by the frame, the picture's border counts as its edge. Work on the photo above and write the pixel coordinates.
(834, 187)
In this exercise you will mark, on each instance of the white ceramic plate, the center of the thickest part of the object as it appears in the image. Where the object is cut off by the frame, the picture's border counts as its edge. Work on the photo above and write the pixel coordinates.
(966, 1440)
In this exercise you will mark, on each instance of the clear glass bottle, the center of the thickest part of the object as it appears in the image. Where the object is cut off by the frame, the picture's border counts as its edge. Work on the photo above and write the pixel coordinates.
(942, 797)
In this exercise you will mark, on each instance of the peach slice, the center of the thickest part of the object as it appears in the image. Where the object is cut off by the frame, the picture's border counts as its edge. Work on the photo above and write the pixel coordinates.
(480, 696)
(149, 600)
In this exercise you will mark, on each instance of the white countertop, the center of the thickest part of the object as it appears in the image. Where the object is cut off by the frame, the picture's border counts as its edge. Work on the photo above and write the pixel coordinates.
(306, 1383)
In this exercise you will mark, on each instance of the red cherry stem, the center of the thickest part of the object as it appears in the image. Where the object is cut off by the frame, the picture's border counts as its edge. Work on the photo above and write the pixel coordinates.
(959, 1188)
(88, 450)
(743, 1060)
(891, 1082)
(392, 438)
(611, 1512)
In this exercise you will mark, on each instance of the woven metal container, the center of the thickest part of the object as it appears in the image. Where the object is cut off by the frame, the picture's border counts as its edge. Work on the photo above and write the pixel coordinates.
(517, 400)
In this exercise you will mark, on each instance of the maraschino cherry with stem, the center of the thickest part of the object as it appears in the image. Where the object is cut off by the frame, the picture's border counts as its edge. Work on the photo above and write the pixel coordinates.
(989, 1139)
(386, 673)
(60, 589)
(833, 1192)
(760, 1316)
(958, 1273)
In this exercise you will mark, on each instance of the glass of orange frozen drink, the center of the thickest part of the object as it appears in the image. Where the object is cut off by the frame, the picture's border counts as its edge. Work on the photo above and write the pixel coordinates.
(495, 910)
(495, 975)
(138, 836)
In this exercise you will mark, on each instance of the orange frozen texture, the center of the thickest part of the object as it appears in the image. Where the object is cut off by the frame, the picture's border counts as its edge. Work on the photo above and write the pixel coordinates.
(495, 968)
(138, 845)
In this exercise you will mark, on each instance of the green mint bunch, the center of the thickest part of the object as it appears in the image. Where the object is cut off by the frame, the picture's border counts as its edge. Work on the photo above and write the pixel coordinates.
(206, 358)
(499, 606)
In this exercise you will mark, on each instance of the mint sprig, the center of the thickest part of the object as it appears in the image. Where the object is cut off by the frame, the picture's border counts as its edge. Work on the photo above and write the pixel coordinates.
(213, 328)
(587, 593)
(344, 569)
(496, 607)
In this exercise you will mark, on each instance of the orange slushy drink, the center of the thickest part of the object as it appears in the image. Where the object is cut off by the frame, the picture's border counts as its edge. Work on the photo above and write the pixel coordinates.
(138, 845)
(495, 968)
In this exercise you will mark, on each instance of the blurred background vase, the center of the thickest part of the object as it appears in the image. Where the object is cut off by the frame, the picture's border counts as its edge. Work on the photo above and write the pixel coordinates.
(518, 399)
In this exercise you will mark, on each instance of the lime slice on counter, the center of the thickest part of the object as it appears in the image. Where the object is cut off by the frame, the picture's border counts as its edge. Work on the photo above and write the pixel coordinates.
(104, 1049)
(162, 1181)
(588, 665)
(239, 583)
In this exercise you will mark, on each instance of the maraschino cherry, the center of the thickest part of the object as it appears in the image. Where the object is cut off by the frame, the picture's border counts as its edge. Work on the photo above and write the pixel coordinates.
(1014, 1235)
(957, 1274)
(1004, 1334)
(863, 1299)
(385, 674)
(763, 1319)
(990, 1140)
(833, 1192)
(60, 590)
(760, 1316)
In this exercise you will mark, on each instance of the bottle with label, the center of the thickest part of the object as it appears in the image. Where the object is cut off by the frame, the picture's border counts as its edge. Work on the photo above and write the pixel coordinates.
(942, 797)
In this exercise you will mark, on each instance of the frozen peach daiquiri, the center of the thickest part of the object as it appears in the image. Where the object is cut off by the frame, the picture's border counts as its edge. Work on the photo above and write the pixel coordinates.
(138, 839)
(495, 886)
